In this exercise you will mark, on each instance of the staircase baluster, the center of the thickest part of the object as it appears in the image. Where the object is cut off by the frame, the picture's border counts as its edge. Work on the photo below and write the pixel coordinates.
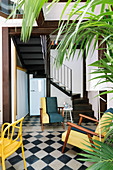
(67, 78)
(71, 80)
(58, 75)
(63, 75)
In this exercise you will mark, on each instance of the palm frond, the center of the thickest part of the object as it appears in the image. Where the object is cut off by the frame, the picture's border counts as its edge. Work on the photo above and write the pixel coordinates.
(101, 155)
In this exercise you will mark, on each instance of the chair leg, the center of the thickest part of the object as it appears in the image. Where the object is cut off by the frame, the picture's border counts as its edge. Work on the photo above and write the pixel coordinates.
(3, 164)
(23, 156)
(63, 125)
(42, 126)
(41, 119)
(67, 136)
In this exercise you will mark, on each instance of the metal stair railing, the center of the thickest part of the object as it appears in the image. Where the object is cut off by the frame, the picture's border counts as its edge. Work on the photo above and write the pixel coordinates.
(61, 76)
(43, 43)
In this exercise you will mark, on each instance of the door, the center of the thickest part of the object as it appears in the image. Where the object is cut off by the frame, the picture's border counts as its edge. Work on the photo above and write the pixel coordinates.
(37, 90)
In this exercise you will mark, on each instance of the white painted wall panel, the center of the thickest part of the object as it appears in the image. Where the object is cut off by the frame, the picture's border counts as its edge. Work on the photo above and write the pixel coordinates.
(61, 97)
(22, 94)
(94, 101)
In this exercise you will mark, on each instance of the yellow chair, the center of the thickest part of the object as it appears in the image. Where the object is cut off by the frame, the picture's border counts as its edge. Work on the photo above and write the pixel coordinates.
(8, 145)
(43, 111)
(78, 135)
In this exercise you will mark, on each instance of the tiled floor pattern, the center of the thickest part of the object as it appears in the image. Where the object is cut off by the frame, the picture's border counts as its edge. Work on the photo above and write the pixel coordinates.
(43, 149)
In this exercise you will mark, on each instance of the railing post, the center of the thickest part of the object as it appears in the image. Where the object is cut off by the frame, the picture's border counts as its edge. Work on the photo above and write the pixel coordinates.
(54, 72)
(71, 80)
(67, 78)
(61, 74)
(58, 75)
(64, 74)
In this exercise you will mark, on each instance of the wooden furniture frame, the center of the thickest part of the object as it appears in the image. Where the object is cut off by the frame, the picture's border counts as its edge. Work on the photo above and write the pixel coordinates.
(41, 117)
(89, 133)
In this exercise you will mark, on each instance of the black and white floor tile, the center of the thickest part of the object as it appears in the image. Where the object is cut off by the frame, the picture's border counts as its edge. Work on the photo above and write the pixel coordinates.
(43, 149)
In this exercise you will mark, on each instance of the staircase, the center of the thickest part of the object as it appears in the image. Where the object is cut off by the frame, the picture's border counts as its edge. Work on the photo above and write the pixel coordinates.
(32, 55)
(81, 106)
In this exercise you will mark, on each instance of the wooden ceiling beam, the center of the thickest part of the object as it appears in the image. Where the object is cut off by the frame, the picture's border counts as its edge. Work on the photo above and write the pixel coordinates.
(48, 27)
(35, 31)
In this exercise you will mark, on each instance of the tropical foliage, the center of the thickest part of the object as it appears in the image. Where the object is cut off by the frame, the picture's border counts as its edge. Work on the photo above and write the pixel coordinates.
(102, 155)
(85, 29)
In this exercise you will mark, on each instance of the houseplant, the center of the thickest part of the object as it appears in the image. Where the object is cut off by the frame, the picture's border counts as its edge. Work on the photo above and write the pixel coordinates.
(88, 23)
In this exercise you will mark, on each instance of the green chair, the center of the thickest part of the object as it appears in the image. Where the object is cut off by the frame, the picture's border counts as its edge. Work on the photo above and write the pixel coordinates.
(50, 112)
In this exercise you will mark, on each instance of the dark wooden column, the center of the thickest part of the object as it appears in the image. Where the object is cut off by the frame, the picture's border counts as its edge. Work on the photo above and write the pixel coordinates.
(48, 90)
(6, 72)
(103, 104)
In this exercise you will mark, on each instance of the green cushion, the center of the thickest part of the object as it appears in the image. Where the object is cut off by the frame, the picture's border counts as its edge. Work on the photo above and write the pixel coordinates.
(78, 130)
(52, 110)
(55, 117)
(51, 105)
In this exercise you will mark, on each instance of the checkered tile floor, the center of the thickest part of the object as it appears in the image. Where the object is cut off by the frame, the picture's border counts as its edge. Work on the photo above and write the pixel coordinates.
(43, 149)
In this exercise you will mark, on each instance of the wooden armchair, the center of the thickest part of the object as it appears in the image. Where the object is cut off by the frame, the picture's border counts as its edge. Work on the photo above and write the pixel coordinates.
(78, 135)
(50, 112)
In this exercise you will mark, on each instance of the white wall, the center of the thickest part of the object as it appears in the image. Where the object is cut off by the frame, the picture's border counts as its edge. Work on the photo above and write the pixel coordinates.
(109, 100)
(12, 80)
(94, 101)
(92, 57)
(61, 97)
(22, 94)
(56, 11)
